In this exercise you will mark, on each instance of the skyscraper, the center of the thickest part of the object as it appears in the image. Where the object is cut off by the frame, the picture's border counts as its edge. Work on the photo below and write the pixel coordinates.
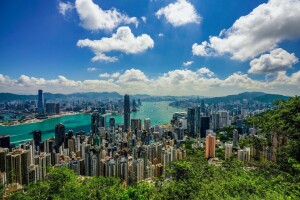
(59, 135)
(5, 141)
(126, 112)
(191, 119)
(41, 110)
(136, 125)
(37, 137)
(95, 122)
(205, 121)
(147, 124)
(210, 146)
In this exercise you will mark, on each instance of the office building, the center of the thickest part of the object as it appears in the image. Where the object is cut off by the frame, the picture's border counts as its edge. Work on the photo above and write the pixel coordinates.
(205, 122)
(136, 125)
(59, 135)
(37, 138)
(210, 146)
(95, 122)
(235, 138)
(126, 112)
(5, 141)
(147, 124)
(41, 110)
(50, 108)
(224, 119)
(191, 119)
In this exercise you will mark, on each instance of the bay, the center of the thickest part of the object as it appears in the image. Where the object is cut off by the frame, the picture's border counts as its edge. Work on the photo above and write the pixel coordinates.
(158, 112)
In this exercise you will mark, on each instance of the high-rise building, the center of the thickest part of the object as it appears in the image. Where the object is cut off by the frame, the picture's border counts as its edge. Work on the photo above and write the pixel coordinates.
(202, 108)
(5, 141)
(224, 119)
(147, 124)
(136, 125)
(210, 146)
(57, 108)
(59, 135)
(126, 112)
(235, 138)
(41, 110)
(191, 119)
(50, 108)
(216, 121)
(228, 150)
(95, 122)
(205, 122)
(37, 137)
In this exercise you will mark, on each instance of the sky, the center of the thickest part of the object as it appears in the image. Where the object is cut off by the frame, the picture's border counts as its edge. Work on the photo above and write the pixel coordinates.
(156, 47)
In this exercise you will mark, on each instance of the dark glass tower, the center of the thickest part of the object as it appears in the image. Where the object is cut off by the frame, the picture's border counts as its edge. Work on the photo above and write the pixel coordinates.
(126, 112)
(95, 122)
(40, 102)
(37, 137)
(59, 135)
(205, 121)
(5, 141)
(191, 125)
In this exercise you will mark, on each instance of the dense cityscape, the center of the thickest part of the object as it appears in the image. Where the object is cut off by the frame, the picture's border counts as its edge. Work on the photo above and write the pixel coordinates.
(149, 100)
(130, 151)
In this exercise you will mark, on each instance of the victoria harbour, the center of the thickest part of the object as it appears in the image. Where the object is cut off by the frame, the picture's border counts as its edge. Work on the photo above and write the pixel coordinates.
(159, 113)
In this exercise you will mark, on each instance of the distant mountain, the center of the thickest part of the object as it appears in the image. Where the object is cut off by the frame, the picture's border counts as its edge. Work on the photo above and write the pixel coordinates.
(50, 96)
(255, 96)
(250, 96)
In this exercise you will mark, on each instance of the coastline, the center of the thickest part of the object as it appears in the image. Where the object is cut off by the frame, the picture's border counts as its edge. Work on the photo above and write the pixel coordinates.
(31, 121)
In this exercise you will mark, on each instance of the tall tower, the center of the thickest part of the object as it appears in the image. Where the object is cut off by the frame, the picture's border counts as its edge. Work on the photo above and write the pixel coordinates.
(59, 135)
(126, 112)
(41, 110)
(191, 119)
(205, 121)
(95, 122)
(210, 146)
(37, 137)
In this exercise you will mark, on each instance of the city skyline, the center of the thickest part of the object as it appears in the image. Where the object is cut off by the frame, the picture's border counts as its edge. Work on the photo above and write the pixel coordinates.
(206, 48)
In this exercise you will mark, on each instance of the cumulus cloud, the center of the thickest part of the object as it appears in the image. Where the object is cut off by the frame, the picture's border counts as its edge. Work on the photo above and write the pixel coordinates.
(260, 31)
(180, 13)
(205, 72)
(93, 17)
(275, 61)
(123, 40)
(187, 63)
(175, 82)
(63, 8)
(161, 35)
(91, 69)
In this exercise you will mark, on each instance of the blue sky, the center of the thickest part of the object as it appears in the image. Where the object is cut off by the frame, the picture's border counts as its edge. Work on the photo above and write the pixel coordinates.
(145, 46)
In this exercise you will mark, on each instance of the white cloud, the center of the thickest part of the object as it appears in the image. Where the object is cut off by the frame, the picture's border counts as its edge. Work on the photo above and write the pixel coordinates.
(174, 82)
(205, 71)
(259, 31)
(144, 19)
(123, 40)
(161, 35)
(93, 17)
(277, 60)
(179, 13)
(91, 69)
(63, 8)
(111, 76)
(187, 63)
(105, 75)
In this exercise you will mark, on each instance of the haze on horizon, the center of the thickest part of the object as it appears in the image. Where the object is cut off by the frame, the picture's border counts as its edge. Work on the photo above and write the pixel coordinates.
(172, 47)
